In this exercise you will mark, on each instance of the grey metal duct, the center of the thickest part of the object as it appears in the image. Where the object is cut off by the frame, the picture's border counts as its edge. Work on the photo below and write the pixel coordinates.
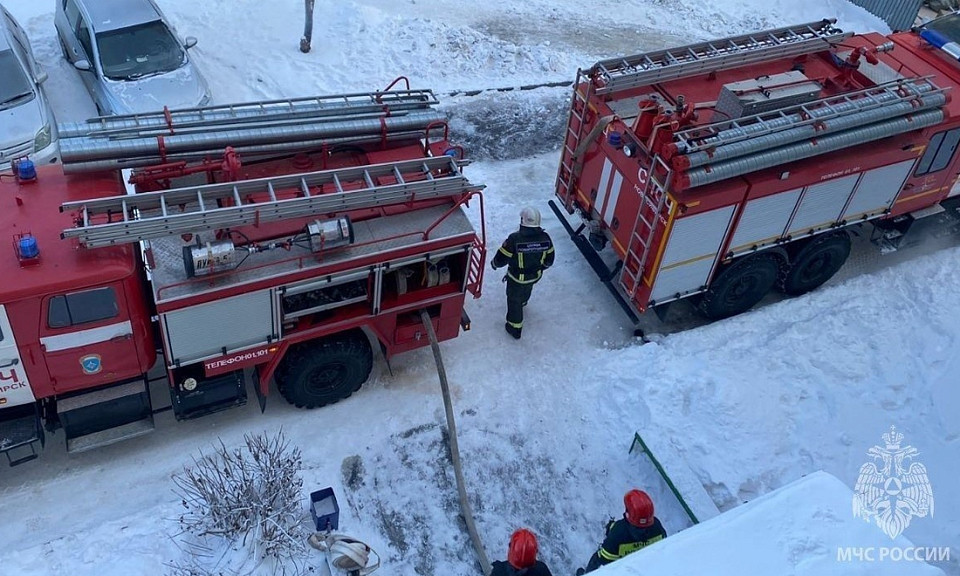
(247, 152)
(828, 126)
(86, 150)
(798, 151)
(382, 103)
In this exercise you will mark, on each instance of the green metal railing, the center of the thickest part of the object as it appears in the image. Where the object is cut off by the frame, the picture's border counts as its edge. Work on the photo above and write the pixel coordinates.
(644, 449)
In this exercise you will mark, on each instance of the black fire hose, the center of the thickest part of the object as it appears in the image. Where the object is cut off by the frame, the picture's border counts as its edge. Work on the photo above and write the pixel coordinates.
(454, 448)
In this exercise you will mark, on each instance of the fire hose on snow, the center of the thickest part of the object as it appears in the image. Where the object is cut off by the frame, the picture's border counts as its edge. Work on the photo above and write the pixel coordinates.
(454, 448)
(345, 553)
(353, 556)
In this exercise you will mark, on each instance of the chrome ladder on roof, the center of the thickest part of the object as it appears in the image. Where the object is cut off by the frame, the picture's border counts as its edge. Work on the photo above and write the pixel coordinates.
(651, 67)
(128, 219)
(883, 95)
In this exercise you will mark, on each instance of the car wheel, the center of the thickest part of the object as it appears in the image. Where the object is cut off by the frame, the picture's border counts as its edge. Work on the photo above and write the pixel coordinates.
(324, 371)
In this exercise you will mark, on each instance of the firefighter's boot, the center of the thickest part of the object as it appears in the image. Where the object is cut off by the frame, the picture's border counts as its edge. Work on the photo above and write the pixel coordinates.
(512, 330)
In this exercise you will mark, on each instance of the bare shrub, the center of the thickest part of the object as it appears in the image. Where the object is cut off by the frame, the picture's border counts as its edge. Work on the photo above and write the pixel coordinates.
(248, 499)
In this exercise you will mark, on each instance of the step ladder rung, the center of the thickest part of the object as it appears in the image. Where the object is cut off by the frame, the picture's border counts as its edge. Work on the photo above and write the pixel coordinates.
(201, 206)
(704, 57)
(728, 131)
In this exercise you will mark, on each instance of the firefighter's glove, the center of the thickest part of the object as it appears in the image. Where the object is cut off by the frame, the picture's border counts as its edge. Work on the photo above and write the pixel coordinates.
(493, 265)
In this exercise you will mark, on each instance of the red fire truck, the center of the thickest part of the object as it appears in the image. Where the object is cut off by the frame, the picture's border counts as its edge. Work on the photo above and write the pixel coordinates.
(347, 216)
(723, 169)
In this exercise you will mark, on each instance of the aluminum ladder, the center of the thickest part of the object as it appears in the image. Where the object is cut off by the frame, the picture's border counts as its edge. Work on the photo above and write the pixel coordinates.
(729, 131)
(648, 68)
(392, 102)
(571, 162)
(653, 201)
(127, 219)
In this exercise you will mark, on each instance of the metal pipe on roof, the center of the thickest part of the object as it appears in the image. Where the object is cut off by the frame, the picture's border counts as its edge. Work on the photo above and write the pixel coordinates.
(808, 131)
(303, 109)
(85, 150)
(252, 152)
(800, 150)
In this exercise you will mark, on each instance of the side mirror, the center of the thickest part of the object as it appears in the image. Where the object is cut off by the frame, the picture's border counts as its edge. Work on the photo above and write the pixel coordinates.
(189, 42)
(82, 65)
(41, 77)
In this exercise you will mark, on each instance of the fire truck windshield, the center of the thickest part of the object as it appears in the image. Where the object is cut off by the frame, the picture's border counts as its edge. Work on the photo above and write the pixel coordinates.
(948, 26)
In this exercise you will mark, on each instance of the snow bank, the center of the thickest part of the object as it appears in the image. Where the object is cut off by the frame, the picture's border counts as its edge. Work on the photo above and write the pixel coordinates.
(795, 530)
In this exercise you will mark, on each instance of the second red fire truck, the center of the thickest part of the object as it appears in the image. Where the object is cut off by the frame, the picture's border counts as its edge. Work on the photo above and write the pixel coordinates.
(721, 170)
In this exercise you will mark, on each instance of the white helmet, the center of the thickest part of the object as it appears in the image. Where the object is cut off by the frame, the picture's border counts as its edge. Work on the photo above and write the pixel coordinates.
(530, 217)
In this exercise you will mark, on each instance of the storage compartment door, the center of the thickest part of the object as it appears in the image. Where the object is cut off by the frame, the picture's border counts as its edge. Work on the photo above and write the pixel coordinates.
(877, 190)
(216, 327)
(691, 253)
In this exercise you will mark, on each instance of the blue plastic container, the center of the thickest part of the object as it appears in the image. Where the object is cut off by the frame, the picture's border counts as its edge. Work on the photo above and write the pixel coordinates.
(325, 510)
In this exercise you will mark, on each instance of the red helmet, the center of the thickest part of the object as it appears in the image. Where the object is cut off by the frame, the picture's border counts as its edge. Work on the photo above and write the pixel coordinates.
(523, 549)
(639, 508)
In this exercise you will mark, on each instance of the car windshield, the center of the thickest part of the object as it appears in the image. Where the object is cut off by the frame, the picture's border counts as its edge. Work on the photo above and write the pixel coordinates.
(15, 86)
(139, 51)
(949, 26)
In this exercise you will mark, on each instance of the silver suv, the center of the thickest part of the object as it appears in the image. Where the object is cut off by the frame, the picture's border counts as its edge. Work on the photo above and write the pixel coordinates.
(129, 56)
(27, 126)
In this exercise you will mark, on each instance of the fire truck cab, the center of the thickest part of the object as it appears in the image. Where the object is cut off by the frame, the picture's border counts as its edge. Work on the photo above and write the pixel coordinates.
(723, 169)
(281, 267)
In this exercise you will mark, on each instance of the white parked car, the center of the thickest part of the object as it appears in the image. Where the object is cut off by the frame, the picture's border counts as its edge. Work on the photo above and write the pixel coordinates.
(129, 56)
(27, 126)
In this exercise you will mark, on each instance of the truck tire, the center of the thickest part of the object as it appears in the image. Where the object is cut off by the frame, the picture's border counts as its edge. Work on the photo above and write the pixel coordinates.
(321, 372)
(740, 286)
(816, 263)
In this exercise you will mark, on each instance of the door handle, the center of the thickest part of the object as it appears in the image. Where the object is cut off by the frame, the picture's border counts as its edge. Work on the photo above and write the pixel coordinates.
(10, 363)
(122, 337)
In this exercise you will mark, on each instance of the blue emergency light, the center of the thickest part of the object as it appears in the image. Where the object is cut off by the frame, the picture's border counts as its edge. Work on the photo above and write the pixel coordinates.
(938, 40)
(28, 247)
(26, 170)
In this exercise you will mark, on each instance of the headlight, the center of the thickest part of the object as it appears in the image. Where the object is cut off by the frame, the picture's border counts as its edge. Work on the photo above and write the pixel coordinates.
(42, 139)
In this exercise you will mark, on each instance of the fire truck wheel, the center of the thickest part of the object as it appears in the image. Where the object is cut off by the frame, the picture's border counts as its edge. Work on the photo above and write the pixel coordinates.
(740, 286)
(816, 263)
(315, 374)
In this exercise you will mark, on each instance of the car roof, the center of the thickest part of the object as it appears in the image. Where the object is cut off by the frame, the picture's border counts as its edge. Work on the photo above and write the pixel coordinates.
(4, 32)
(108, 15)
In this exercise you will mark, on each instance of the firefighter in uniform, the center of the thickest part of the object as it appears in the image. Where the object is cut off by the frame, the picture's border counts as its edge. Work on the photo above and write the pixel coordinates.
(637, 529)
(526, 253)
(521, 557)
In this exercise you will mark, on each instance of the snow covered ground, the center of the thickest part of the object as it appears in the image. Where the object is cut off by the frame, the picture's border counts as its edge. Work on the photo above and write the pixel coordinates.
(745, 405)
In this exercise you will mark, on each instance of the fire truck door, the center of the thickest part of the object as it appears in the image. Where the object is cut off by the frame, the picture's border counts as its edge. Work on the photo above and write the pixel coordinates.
(14, 387)
(87, 338)
(932, 170)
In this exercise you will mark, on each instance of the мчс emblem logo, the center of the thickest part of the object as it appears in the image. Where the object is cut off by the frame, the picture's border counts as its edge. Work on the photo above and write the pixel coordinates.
(91, 364)
(893, 488)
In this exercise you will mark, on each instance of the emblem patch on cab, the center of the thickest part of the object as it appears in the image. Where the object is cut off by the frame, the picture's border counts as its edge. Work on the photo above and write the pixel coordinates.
(91, 364)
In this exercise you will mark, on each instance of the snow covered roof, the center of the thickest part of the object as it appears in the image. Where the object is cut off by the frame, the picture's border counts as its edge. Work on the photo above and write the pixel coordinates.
(795, 530)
